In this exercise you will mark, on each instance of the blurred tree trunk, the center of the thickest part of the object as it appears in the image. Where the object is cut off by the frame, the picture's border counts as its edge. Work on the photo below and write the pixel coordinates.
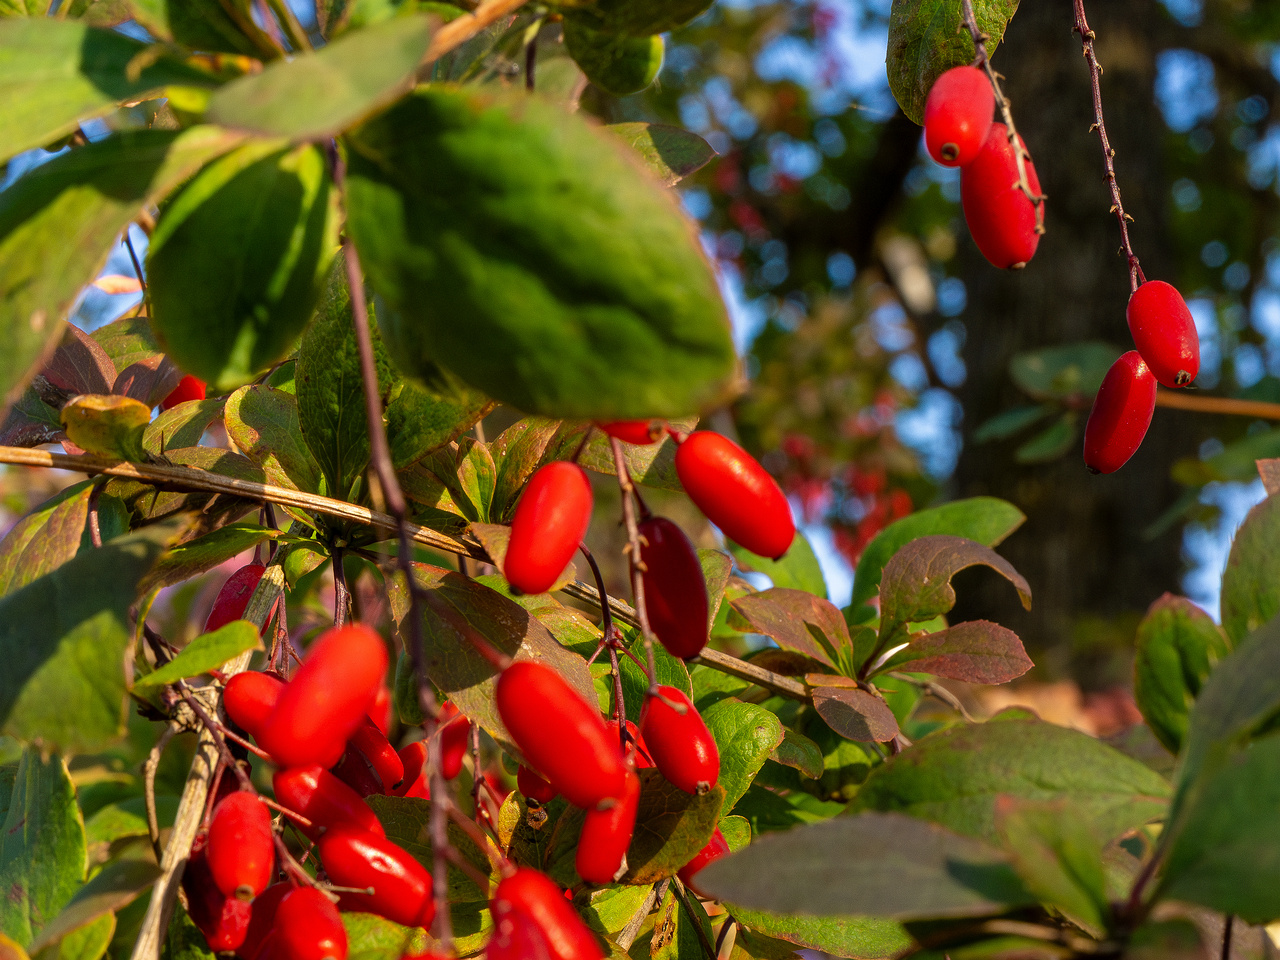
(1082, 548)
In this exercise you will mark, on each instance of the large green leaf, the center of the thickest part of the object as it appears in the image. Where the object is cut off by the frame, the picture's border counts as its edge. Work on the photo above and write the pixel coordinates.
(584, 287)
(671, 826)
(42, 848)
(206, 652)
(56, 73)
(264, 423)
(954, 776)
(1178, 646)
(45, 538)
(196, 24)
(197, 556)
(318, 95)
(638, 18)
(116, 886)
(63, 640)
(746, 734)
(1251, 580)
(239, 259)
(58, 222)
(869, 938)
(875, 864)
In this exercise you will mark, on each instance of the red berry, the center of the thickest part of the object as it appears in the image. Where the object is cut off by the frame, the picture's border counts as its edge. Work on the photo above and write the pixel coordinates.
(382, 756)
(327, 699)
(223, 920)
(1165, 333)
(679, 742)
(322, 798)
(233, 598)
(249, 698)
(455, 740)
(188, 388)
(516, 937)
(716, 848)
(380, 712)
(675, 590)
(534, 897)
(355, 770)
(737, 495)
(606, 834)
(1000, 216)
(637, 752)
(416, 783)
(1121, 414)
(241, 850)
(640, 432)
(309, 926)
(957, 116)
(401, 885)
(561, 735)
(533, 787)
(550, 521)
(263, 919)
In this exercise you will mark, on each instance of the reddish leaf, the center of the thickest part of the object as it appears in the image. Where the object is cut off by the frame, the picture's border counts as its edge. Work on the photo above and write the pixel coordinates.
(855, 714)
(1269, 471)
(977, 651)
(79, 365)
(797, 621)
(916, 584)
(149, 380)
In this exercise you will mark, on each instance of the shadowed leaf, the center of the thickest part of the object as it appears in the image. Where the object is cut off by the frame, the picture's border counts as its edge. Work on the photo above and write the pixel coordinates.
(976, 651)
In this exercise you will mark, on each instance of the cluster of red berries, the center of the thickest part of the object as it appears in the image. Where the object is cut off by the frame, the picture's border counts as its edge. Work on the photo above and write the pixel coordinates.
(1004, 214)
(1168, 352)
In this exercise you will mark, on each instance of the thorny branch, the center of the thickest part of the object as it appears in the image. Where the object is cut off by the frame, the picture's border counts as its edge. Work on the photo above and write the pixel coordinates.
(1087, 37)
(1006, 112)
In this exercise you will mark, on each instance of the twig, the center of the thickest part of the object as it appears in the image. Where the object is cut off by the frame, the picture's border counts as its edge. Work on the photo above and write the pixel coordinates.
(461, 29)
(1006, 112)
(340, 591)
(683, 897)
(632, 551)
(1087, 37)
(1182, 400)
(1226, 936)
(95, 526)
(149, 787)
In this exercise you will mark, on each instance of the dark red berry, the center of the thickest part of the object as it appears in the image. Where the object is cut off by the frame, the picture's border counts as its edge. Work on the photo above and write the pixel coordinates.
(263, 919)
(455, 740)
(957, 116)
(188, 388)
(223, 920)
(737, 495)
(1001, 218)
(675, 590)
(640, 432)
(534, 897)
(679, 742)
(327, 699)
(561, 735)
(401, 885)
(533, 787)
(382, 756)
(606, 834)
(1121, 414)
(637, 752)
(1165, 333)
(233, 598)
(249, 698)
(716, 848)
(550, 521)
(322, 798)
(309, 927)
(241, 849)
(416, 783)
(355, 770)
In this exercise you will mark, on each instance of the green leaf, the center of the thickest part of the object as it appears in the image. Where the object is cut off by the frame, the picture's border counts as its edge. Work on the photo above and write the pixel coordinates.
(746, 735)
(419, 422)
(1058, 857)
(107, 426)
(1073, 372)
(206, 652)
(42, 855)
(876, 864)
(670, 153)
(117, 885)
(916, 584)
(855, 714)
(671, 826)
(616, 64)
(45, 538)
(585, 289)
(407, 822)
(1050, 443)
(798, 751)
(639, 18)
(58, 222)
(674, 934)
(195, 24)
(186, 560)
(1251, 580)
(612, 908)
(1178, 646)
(869, 938)
(987, 520)
(797, 570)
(264, 423)
(976, 651)
(954, 776)
(56, 73)
(795, 620)
(371, 937)
(182, 426)
(63, 639)
(239, 258)
(1006, 424)
(315, 96)
(89, 942)
(128, 818)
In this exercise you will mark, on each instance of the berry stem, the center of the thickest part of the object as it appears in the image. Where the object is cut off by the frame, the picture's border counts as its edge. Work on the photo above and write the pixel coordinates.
(1087, 36)
(632, 551)
(1006, 111)
(683, 896)
(341, 593)
(1182, 400)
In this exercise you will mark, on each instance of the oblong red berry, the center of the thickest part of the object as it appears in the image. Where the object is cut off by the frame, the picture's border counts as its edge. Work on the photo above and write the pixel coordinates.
(1001, 218)
(380, 712)
(550, 521)
(455, 740)
(401, 885)
(516, 937)
(533, 787)
(327, 699)
(535, 896)
(223, 920)
(233, 598)
(322, 798)
(561, 735)
(241, 849)
(675, 589)
(728, 485)
(263, 919)
(416, 782)
(637, 752)
(355, 770)
(679, 742)
(249, 698)
(1121, 414)
(640, 432)
(309, 927)
(606, 834)
(188, 388)
(716, 848)
(382, 756)
(958, 115)
(1164, 332)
